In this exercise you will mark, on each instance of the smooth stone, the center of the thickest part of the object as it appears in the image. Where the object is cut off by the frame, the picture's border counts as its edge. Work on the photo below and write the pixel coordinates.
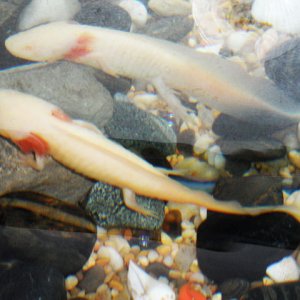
(92, 279)
(241, 246)
(285, 291)
(252, 150)
(231, 128)
(143, 133)
(157, 270)
(282, 65)
(104, 14)
(173, 28)
(17, 176)
(46, 231)
(236, 168)
(27, 281)
(185, 142)
(250, 190)
(233, 288)
(81, 95)
(105, 204)
(9, 13)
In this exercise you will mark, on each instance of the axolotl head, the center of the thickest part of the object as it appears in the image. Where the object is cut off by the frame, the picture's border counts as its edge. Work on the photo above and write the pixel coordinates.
(48, 42)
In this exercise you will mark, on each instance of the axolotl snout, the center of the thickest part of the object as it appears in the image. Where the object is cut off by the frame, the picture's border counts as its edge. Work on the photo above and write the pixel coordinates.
(213, 80)
(41, 127)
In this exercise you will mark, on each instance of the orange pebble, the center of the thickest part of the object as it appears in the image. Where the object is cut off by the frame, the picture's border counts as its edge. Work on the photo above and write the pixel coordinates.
(187, 292)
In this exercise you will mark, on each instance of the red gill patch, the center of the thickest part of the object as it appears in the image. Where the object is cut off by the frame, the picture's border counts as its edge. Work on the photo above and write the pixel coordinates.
(33, 143)
(81, 48)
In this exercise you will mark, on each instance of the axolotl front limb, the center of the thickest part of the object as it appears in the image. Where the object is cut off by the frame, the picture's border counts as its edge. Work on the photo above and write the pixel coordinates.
(36, 125)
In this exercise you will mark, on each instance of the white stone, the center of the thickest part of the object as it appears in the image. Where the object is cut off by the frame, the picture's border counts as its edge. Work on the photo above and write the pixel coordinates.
(136, 10)
(116, 260)
(284, 270)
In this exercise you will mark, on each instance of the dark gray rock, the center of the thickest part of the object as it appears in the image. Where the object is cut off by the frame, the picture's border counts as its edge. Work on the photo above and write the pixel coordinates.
(250, 190)
(103, 13)
(22, 281)
(233, 288)
(283, 291)
(168, 28)
(157, 269)
(92, 279)
(252, 150)
(282, 65)
(54, 179)
(141, 132)
(72, 87)
(105, 204)
(241, 246)
(46, 231)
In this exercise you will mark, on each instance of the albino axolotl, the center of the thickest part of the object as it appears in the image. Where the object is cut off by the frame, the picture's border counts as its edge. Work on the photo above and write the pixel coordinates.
(215, 81)
(35, 125)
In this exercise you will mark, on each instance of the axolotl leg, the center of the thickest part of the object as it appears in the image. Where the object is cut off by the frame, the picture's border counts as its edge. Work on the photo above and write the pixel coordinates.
(129, 198)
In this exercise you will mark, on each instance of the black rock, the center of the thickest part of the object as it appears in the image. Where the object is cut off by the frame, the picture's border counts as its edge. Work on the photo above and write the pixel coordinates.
(24, 281)
(142, 133)
(283, 291)
(234, 246)
(235, 167)
(233, 288)
(105, 204)
(157, 269)
(103, 13)
(250, 190)
(282, 65)
(46, 231)
(173, 28)
(252, 150)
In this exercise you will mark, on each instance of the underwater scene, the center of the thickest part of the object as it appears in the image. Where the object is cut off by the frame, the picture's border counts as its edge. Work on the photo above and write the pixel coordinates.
(149, 149)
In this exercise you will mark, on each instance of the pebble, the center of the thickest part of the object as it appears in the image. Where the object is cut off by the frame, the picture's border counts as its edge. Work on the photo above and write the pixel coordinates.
(250, 190)
(284, 270)
(116, 260)
(43, 11)
(71, 282)
(51, 237)
(19, 280)
(171, 7)
(232, 246)
(153, 139)
(105, 203)
(157, 270)
(252, 150)
(185, 255)
(92, 278)
(282, 66)
(173, 28)
(104, 14)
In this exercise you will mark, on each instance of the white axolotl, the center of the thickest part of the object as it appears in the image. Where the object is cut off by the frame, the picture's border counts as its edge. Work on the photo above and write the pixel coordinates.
(215, 81)
(41, 127)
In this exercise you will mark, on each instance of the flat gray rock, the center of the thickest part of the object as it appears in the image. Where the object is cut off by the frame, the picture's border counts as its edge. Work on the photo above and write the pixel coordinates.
(72, 87)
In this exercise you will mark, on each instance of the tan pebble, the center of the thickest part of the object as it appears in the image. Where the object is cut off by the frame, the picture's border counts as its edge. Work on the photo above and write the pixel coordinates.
(192, 42)
(143, 261)
(165, 239)
(164, 250)
(75, 292)
(101, 233)
(90, 263)
(114, 293)
(175, 274)
(108, 269)
(267, 281)
(217, 296)
(116, 285)
(128, 257)
(116, 259)
(144, 253)
(152, 256)
(91, 296)
(97, 246)
(103, 292)
(168, 261)
(285, 172)
(103, 261)
(197, 277)
(135, 250)
(119, 243)
(109, 277)
(194, 266)
(70, 282)
(294, 157)
(178, 240)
